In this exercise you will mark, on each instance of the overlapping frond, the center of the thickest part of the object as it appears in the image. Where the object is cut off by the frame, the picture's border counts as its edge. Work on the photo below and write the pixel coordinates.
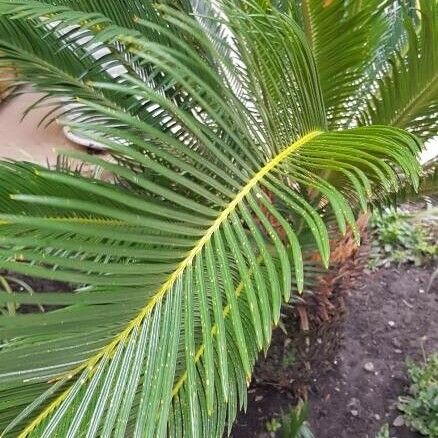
(84, 47)
(428, 187)
(344, 37)
(183, 254)
(406, 93)
(184, 303)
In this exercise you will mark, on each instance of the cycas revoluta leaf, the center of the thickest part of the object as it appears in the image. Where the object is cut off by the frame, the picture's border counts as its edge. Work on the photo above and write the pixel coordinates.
(344, 37)
(406, 93)
(84, 47)
(184, 253)
(150, 316)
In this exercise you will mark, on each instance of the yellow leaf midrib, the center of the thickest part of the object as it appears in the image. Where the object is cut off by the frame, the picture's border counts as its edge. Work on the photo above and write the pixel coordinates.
(167, 285)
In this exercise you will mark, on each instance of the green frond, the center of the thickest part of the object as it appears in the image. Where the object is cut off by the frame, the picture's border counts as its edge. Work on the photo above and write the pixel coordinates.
(182, 256)
(406, 93)
(344, 38)
(428, 187)
(84, 48)
(124, 316)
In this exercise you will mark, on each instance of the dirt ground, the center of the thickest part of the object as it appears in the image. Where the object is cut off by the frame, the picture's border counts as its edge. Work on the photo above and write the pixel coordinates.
(390, 317)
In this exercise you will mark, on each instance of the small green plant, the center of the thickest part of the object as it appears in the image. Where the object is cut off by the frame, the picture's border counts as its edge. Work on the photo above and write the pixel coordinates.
(383, 432)
(289, 358)
(420, 408)
(399, 240)
(273, 425)
(292, 424)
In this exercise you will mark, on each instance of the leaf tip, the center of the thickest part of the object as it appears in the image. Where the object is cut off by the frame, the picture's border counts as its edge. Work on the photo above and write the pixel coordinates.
(300, 284)
(248, 379)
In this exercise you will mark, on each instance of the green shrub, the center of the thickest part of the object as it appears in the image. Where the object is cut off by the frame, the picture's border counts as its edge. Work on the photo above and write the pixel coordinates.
(292, 424)
(400, 240)
(383, 432)
(420, 408)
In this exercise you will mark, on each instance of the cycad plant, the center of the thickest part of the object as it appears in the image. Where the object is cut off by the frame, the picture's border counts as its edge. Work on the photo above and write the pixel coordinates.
(242, 134)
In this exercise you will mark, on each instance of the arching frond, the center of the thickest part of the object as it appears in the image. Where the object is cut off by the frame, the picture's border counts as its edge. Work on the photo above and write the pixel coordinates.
(183, 300)
(428, 187)
(344, 37)
(406, 95)
(84, 47)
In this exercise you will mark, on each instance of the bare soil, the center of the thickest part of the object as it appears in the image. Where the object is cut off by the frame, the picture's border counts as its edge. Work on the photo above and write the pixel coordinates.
(391, 317)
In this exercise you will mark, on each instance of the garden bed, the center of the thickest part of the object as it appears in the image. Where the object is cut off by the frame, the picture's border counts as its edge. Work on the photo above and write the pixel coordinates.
(390, 317)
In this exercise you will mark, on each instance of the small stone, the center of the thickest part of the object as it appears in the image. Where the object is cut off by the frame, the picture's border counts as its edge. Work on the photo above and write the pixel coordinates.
(354, 412)
(396, 343)
(391, 323)
(258, 398)
(377, 417)
(369, 366)
(354, 403)
(421, 291)
(398, 351)
(399, 421)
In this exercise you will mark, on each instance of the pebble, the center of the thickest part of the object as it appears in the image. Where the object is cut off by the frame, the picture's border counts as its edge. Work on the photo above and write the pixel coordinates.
(421, 291)
(399, 421)
(398, 351)
(354, 403)
(369, 366)
(391, 323)
(377, 417)
(354, 412)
